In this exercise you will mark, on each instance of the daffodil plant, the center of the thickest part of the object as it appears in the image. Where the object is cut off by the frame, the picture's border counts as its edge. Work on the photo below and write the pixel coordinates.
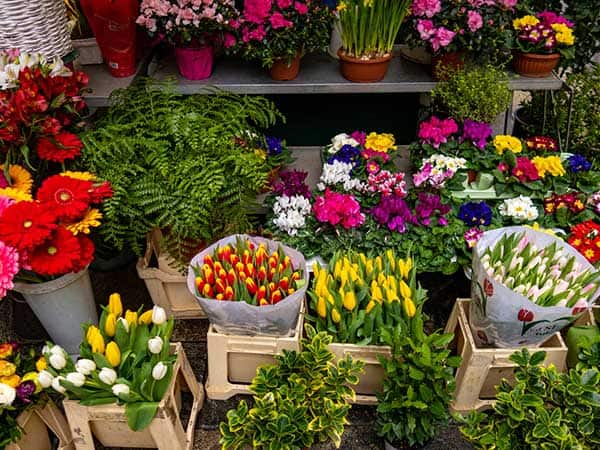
(358, 296)
(126, 359)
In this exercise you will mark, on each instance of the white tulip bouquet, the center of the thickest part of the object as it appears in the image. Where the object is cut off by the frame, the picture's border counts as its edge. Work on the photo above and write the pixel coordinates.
(126, 359)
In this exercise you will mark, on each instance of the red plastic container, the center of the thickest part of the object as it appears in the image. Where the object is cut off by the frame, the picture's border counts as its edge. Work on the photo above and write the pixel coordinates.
(113, 24)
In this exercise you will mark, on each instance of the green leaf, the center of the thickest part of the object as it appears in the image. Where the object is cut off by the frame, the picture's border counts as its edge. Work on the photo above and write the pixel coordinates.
(140, 414)
(101, 361)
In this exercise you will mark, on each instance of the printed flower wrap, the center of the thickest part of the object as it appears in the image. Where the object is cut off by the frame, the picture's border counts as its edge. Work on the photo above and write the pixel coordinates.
(241, 318)
(504, 318)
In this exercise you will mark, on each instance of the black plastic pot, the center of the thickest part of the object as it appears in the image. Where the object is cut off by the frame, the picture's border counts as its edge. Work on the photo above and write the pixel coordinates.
(523, 125)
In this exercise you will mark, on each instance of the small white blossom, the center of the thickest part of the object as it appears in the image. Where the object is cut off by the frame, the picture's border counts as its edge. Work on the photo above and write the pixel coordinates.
(520, 208)
(290, 213)
(338, 172)
(338, 141)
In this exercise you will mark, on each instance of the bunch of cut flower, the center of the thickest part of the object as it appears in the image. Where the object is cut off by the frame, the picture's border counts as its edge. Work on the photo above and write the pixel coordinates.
(19, 387)
(547, 276)
(126, 359)
(356, 296)
(249, 273)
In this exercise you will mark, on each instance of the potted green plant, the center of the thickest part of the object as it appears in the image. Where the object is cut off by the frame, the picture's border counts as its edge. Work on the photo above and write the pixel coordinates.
(418, 386)
(544, 409)
(300, 401)
(369, 30)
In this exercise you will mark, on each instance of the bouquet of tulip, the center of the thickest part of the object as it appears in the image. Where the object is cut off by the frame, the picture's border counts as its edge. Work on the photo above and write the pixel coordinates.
(19, 387)
(527, 285)
(126, 359)
(356, 296)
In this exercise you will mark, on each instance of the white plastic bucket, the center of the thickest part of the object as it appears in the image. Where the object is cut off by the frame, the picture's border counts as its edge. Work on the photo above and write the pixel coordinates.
(62, 305)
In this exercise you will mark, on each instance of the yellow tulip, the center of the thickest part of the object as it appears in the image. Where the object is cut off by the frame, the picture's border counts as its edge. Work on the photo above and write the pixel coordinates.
(409, 307)
(343, 277)
(391, 295)
(41, 364)
(337, 269)
(391, 258)
(33, 376)
(145, 318)
(131, 317)
(349, 300)
(91, 332)
(114, 304)
(381, 278)
(321, 308)
(363, 258)
(376, 293)
(12, 380)
(97, 343)
(315, 268)
(330, 298)
(369, 267)
(379, 263)
(335, 316)
(110, 326)
(113, 354)
(370, 306)
(391, 283)
(405, 291)
(404, 267)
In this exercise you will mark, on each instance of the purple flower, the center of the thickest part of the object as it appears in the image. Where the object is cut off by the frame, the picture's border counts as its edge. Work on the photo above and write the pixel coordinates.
(550, 18)
(359, 136)
(473, 213)
(476, 132)
(273, 145)
(472, 235)
(428, 205)
(578, 163)
(25, 390)
(292, 182)
(393, 212)
(347, 154)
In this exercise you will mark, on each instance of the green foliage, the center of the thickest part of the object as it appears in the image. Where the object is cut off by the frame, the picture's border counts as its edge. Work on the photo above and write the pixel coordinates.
(418, 384)
(545, 409)
(300, 401)
(589, 353)
(176, 163)
(476, 93)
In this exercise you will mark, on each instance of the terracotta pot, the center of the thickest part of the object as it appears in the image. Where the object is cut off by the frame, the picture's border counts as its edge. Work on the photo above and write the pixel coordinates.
(363, 70)
(282, 71)
(440, 64)
(534, 65)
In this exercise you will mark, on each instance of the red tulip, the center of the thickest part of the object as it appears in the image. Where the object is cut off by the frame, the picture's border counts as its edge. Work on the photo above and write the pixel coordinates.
(246, 257)
(250, 270)
(284, 283)
(209, 261)
(263, 302)
(231, 277)
(229, 294)
(250, 285)
(261, 293)
(220, 286)
(276, 297)
(262, 273)
(207, 291)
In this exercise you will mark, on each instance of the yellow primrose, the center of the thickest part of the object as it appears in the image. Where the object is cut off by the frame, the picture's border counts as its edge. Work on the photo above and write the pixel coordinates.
(504, 142)
(7, 368)
(405, 290)
(409, 307)
(113, 354)
(12, 380)
(145, 318)
(41, 364)
(114, 304)
(335, 316)
(131, 317)
(524, 21)
(549, 164)
(260, 153)
(382, 142)
(110, 325)
(321, 308)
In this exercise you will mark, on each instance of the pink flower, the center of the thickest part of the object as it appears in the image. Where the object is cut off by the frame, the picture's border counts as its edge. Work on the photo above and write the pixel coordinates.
(502, 167)
(258, 34)
(5, 202)
(369, 153)
(437, 131)
(9, 265)
(257, 11)
(301, 8)
(229, 41)
(474, 21)
(426, 29)
(472, 235)
(335, 208)
(525, 170)
(426, 8)
(278, 21)
(359, 136)
(508, 3)
(283, 4)
(235, 24)
(443, 37)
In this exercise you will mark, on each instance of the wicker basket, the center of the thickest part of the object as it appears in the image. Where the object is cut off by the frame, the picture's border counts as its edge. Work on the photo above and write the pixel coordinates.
(35, 26)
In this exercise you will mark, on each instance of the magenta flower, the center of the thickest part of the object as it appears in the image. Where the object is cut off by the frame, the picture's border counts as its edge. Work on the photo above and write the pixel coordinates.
(426, 8)
(426, 29)
(278, 21)
(443, 37)
(282, 4)
(301, 8)
(257, 11)
(525, 170)
(373, 167)
(549, 18)
(387, 183)
(437, 131)
(370, 154)
(9, 262)
(336, 208)
(474, 21)
(5, 202)
(393, 212)
(428, 205)
(359, 136)
(502, 167)
(476, 132)
(25, 390)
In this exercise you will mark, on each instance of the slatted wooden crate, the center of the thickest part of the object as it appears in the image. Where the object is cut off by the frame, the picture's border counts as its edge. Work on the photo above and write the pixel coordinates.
(37, 424)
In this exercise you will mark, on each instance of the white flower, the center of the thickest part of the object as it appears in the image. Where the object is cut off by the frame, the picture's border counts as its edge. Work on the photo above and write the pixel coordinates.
(108, 376)
(7, 395)
(30, 59)
(45, 378)
(57, 386)
(520, 208)
(159, 316)
(58, 68)
(155, 345)
(338, 141)
(45, 349)
(159, 371)
(125, 324)
(76, 378)
(58, 361)
(57, 350)
(85, 366)
(291, 213)
(120, 389)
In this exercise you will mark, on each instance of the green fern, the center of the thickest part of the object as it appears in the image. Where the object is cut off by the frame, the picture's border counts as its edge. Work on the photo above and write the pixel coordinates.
(174, 164)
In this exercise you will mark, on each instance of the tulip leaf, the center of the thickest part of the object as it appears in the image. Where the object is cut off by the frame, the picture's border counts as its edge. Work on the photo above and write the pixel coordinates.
(140, 414)
(122, 337)
(160, 386)
(141, 341)
(101, 361)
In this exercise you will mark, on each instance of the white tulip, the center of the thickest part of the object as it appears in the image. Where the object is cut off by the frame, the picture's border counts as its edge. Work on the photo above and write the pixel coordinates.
(159, 316)
(155, 345)
(57, 350)
(125, 324)
(45, 349)
(7, 395)
(120, 389)
(45, 378)
(159, 371)
(85, 366)
(57, 386)
(58, 361)
(108, 376)
(76, 378)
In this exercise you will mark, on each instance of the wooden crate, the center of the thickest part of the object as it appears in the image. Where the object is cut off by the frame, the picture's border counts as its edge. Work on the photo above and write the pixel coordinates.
(233, 359)
(483, 368)
(108, 423)
(167, 287)
(371, 380)
(36, 422)
(587, 318)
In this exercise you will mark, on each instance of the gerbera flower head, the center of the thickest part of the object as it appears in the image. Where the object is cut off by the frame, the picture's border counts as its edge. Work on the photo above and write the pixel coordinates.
(25, 225)
(5, 202)
(101, 191)
(15, 194)
(59, 147)
(9, 267)
(20, 179)
(84, 176)
(86, 253)
(56, 256)
(68, 197)
(91, 219)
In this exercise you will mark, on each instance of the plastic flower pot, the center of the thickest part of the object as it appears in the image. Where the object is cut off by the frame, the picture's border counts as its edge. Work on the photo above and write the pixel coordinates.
(534, 65)
(195, 63)
(281, 70)
(62, 305)
(444, 63)
(360, 70)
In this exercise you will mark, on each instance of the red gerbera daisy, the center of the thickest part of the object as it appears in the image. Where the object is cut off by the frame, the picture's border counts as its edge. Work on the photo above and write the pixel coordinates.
(60, 147)
(68, 197)
(101, 191)
(57, 256)
(86, 253)
(26, 224)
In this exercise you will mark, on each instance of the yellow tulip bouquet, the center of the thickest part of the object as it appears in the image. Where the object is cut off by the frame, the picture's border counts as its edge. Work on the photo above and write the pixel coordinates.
(125, 359)
(357, 296)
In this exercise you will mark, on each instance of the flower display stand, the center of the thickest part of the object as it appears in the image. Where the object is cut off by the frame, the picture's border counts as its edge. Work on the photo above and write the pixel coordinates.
(233, 359)
(371, 380)
(483, 368)
(36, 422)
(167, 287)
(108, 423)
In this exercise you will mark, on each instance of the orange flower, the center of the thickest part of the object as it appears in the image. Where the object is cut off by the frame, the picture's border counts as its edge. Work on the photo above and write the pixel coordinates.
(5, 351)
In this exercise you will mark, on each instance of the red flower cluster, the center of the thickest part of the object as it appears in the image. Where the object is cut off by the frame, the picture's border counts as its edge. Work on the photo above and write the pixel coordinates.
(39, 110)
(542, 143)
(525, 170)
(247, 273)
(41, 230)
(572, 200)
(585, 237)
